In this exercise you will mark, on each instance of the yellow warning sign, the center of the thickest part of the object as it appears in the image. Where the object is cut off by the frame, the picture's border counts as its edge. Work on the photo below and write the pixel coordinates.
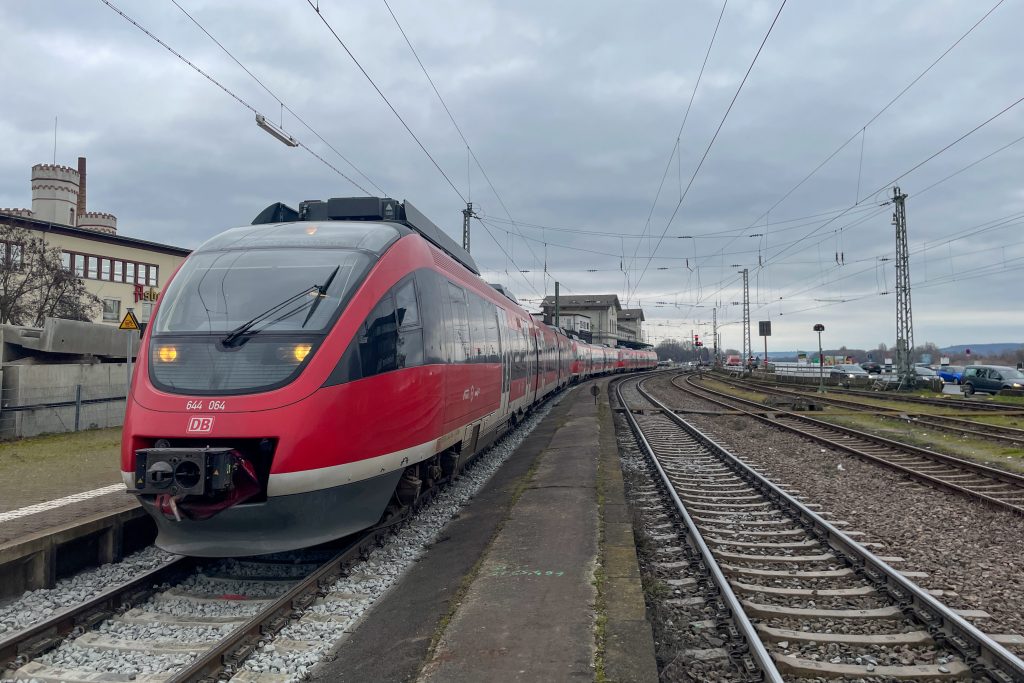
(130, 322)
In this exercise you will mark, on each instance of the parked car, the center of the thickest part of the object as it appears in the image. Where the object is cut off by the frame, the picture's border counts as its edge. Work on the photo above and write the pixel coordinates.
(951, 373)
(847, 374)
(924, 371)
(848, 371)
(871, 368)
(991, 378)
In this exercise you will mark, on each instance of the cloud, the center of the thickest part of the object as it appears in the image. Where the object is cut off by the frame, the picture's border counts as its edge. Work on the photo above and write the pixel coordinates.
(573, 111)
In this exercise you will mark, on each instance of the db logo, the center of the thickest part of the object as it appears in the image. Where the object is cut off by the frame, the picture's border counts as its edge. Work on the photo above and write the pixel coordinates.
(200, 425)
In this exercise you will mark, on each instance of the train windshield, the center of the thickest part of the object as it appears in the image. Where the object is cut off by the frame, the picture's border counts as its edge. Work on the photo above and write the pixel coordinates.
(218, 291)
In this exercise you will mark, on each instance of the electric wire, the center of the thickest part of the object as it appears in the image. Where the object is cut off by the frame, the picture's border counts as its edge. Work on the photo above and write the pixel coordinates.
(316, 9)
(509, 257)
(861, 131)
(677, 149)
(916, 166)
(283, 104)
(220, 85)
(881, 111)
(707, 151)
(458, 129)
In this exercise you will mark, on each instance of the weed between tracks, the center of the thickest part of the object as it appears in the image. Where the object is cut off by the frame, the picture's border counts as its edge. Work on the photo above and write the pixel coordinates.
(968, 447)
(600, 576)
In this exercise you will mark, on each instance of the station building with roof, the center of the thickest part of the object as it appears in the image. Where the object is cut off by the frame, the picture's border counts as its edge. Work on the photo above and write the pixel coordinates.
(608, 322)
(123, 272)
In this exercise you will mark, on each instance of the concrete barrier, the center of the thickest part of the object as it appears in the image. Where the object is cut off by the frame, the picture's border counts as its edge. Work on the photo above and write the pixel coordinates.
(51, 398)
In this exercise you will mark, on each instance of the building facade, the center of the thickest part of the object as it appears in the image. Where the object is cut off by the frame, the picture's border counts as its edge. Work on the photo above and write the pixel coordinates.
(601, 309)
(123, 272)
(630, 322)
(578, 324)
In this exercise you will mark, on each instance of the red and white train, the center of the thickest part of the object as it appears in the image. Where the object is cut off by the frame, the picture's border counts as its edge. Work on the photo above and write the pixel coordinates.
(302, 375)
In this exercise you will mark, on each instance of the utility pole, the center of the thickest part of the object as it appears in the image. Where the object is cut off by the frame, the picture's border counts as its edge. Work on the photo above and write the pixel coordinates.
(714, 332)
(747, 350)
(904, 315)
(557, 316)
(467, 213)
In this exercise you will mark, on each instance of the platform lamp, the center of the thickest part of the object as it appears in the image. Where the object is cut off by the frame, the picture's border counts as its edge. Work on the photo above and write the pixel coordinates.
(819, 328)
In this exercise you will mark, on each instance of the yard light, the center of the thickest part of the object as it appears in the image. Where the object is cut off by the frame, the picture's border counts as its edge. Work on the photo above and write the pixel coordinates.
(819, 328)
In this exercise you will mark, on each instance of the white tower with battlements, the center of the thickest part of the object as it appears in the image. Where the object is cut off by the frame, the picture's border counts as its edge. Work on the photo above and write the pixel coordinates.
(55, 193)
(58, 196)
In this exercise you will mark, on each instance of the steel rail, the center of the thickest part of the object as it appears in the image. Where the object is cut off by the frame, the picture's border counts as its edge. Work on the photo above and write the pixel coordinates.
(762, 659)
(227, 655)
(979, 651)
(998, 475)
(947, 422)
(942, 402)
(25, 644)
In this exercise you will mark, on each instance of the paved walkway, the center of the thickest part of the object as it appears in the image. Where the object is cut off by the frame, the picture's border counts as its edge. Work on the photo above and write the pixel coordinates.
(513, 591)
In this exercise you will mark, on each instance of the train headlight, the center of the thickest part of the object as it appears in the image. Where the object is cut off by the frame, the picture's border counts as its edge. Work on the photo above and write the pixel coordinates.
(300, 351)
(167, 353)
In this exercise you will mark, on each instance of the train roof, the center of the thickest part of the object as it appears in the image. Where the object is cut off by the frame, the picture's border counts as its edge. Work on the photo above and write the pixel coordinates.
(370, 209)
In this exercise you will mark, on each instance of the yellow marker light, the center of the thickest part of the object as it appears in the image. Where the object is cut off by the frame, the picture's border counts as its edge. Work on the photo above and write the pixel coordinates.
(300, 351)
(167, 354)
(311, 230)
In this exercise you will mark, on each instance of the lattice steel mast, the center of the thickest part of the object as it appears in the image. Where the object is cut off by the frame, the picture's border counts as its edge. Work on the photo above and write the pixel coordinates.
(904, 314)
(747, 351)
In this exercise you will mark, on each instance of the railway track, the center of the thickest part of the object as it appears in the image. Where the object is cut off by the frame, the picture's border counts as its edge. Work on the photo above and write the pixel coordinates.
(807, 600)
(1009, 435)
(960, 403)
(185, 621)
(995, 487)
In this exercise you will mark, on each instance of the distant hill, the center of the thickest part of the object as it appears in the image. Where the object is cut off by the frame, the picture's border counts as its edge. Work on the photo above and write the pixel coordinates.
(984, 349)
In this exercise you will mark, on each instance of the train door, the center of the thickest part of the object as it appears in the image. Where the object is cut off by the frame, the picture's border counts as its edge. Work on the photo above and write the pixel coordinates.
(536, 368)
(505, 351)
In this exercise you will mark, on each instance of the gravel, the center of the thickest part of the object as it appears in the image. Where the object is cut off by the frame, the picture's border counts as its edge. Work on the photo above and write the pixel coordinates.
(198, 597)
(36, 605)
(328, 620)
(679, 628)
(972, 552)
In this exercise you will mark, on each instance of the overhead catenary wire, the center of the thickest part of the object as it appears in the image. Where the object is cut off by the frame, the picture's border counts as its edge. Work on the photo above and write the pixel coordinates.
(861, 131)
(509, 257)
(677, 148)
(458, 129)
(881, 111)
(316, 9)
(916, 166)
(707, 151)
(283, 104)
(223, 87)
(715, 234)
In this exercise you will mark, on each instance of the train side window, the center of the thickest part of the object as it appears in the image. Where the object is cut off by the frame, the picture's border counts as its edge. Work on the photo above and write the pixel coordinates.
(434, 316)
(405, 304)
(476, 329)
(491, 328)
(409, 351)
(460, 324)
(378, 344)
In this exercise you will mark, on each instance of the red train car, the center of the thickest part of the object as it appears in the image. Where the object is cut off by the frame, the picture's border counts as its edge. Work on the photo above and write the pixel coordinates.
(304, 375)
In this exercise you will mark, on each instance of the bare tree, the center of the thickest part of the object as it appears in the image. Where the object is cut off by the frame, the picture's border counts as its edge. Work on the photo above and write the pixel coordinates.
(35, 285)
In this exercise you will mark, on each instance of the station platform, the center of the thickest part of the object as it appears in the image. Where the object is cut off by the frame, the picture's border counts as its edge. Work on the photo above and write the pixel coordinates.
(60, 496)
(535, 580)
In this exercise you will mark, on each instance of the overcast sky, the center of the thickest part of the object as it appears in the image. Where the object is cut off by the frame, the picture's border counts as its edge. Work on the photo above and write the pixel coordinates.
(572, 110)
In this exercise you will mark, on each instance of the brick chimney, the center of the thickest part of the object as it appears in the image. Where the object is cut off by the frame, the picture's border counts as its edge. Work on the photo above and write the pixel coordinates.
(81, 189)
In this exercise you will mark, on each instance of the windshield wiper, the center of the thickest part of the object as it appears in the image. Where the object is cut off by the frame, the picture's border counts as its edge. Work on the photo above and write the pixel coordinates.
(321, 294)
(234, 335)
